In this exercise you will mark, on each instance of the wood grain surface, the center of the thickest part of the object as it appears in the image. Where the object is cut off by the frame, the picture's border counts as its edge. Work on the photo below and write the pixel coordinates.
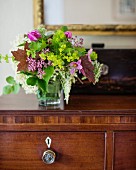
(92, 132)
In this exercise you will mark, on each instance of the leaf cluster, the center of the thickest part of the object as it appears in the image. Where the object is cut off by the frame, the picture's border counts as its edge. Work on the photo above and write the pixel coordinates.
(41, 83)
(13, 87)
(93, 56)
(6, 58)
(35, 47)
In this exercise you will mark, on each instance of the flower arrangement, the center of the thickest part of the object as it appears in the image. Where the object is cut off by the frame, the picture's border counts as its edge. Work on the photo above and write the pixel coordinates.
(41, 56)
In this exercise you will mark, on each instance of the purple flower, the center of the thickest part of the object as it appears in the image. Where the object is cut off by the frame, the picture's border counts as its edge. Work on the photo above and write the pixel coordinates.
(40, 73)
(41, 63)
(46, 50)
(36, 65)
(77, 42)
(68, 34)
(34, 35)
(75, 66)
(89, 53)
(32, 65)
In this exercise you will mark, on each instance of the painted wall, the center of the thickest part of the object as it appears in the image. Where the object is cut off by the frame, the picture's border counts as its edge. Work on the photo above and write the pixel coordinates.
(16, 17)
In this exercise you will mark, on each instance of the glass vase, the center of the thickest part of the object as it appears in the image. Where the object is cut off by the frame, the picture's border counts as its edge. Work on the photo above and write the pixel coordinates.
(53, 98)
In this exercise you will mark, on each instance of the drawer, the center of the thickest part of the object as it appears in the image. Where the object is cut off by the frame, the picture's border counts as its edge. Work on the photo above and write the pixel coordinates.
(74, 150)
(125, 150)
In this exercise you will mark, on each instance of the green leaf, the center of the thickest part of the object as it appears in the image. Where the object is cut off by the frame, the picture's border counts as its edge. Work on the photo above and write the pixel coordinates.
(36, 46)
(28, 52)
(43, 56)
(10, 80)
(13, 58)
(42, 85)
(16, 88)
(48, 73)
(64, 28)
(81, 51)
(31, 81)
(43, 45)
(31, 52)
(6, 58)
(93, 56)
(22, 44)
(42, 31)
(7, 89)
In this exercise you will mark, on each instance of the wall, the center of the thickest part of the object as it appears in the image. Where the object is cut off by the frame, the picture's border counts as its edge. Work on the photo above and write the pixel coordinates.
(16, 17)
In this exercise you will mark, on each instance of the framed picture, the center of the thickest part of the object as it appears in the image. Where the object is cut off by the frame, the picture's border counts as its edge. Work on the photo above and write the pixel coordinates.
(125, 9)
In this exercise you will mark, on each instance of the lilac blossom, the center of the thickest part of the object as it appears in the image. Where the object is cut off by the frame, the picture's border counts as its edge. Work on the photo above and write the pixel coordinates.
(49, 63)
(46, 50)
(37, 65)
(75, 66)
(68, 34)
(32, 65)
(40, 73)
(41, 63)
(77, 42)
(34, 35)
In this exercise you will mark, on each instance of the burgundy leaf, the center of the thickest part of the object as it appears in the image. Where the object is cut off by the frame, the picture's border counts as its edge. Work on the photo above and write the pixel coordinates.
(21, 56)
(88, 68)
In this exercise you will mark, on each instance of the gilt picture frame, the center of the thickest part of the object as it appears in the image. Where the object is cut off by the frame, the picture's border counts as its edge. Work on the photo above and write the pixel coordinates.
(82, 29)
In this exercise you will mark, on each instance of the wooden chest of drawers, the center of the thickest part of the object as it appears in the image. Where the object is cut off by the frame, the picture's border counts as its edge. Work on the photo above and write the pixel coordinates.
(95, 132)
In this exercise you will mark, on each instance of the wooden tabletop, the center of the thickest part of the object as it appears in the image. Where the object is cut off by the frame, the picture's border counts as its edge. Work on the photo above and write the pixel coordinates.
(24, 101)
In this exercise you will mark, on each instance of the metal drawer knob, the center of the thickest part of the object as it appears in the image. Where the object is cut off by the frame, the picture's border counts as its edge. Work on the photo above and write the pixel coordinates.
(49, 157)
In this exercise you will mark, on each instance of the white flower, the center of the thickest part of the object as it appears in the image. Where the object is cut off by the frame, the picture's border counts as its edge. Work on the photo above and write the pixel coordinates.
(67, 79)
(67, 88)
(21, 79)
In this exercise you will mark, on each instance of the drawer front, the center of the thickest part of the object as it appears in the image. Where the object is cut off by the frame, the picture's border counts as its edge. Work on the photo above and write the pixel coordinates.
(125, 151)
(74, 151)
